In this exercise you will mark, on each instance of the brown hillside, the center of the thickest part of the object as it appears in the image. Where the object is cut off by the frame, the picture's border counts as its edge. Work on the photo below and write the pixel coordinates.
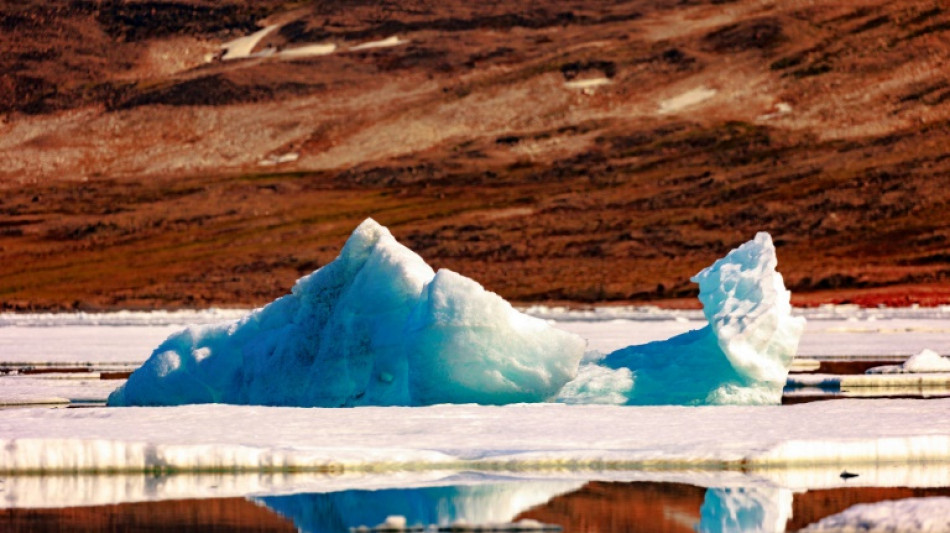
(554, 151)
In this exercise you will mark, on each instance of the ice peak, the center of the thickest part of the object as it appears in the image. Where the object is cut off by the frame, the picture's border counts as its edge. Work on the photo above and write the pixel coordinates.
(363, 238)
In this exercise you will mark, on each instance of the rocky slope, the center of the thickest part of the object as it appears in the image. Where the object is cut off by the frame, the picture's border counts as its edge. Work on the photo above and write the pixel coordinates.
(555, 151)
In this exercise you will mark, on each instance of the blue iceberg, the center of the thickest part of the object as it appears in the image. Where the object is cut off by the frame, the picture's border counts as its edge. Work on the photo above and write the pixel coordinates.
(741, 357)
(378, 327)
(374, 327)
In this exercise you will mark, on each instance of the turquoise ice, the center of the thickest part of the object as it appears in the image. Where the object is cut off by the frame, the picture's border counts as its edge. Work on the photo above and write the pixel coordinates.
(374, 327)
(378, 327)
(741, 357)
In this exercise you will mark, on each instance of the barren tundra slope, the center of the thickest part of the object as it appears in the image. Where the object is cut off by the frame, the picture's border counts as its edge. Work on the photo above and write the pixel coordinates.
(553, 150)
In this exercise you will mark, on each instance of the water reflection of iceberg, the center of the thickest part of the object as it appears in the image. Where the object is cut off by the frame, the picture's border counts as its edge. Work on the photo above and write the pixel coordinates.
(667, 501)
(747, 509)
(339, 511)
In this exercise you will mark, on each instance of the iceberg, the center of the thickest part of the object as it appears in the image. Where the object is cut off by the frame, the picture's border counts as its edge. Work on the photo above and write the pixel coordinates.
(741, 357)
(376, 326)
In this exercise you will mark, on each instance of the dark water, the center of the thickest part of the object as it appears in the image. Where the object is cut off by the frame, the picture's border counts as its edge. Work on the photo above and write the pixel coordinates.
(573, 505)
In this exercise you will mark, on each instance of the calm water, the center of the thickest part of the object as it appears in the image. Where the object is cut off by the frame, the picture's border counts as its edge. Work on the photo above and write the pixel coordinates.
(575, 505)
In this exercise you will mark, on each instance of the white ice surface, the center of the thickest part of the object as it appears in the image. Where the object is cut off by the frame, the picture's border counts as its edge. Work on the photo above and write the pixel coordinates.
(117, 338)
(53, 389)
(843, 432)
(911, 515)
(80, 345)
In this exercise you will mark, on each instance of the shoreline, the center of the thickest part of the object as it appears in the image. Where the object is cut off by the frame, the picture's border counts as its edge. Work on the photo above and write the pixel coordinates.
(924, 296)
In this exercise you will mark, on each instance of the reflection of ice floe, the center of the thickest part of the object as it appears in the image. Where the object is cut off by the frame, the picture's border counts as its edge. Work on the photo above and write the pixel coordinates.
(687, 99)
(307, 51)
(906, 516)
(243, 47)
(878, 384)
(384, 43)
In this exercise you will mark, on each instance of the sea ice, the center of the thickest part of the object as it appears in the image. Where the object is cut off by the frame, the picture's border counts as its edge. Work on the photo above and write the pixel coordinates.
(853, 434)
(374, 327)
(741, 357)
(926, 361)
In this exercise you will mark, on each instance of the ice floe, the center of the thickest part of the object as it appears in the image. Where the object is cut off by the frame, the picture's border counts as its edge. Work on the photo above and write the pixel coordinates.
(55, 389)
(924, 362)
(228, 437)
(911, 515)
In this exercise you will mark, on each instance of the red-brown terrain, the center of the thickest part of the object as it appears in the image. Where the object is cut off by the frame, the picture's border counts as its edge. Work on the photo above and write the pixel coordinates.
(555, 151)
